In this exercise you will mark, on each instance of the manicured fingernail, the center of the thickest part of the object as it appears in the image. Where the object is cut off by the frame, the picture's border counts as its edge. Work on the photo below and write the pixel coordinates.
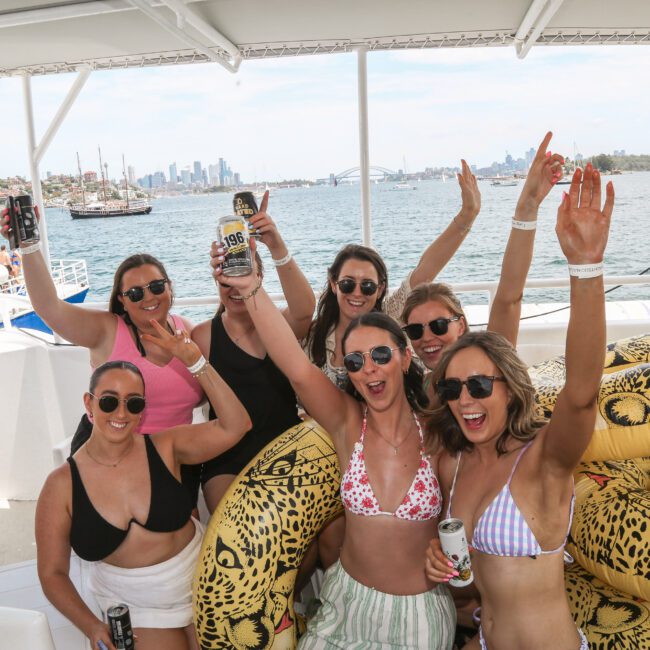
(548, 154)
(456, 574)
(450, 565)
(564, 196)
(446, 579)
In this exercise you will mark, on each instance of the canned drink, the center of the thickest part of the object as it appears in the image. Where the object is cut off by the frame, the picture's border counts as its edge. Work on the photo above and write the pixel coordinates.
(245, 205)
(119, 621)
(22, 221)
(233, 233)
(454, 545)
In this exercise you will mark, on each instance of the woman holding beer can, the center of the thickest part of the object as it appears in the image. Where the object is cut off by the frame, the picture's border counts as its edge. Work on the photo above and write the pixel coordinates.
(507, 475)
(357, 283)
(118, 502)
(433, 315)
(376, 595)
(231, 341)
(141, 291)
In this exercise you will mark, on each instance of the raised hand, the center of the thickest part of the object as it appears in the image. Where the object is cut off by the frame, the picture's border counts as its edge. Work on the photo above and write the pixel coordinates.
(582, 225)
(179, 344)
(544, 173)
(266, 227)
(470, 195)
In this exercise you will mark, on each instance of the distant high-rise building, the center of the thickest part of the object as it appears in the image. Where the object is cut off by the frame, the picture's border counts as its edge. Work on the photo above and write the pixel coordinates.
(158, 179)
(131, 174)
(509, 160)
(530, 156)
(198, 174)
(173, 173)
(186, 177)
(48, 174)
(213, 174)
(236, 179)
(223, 171)
(204, 177)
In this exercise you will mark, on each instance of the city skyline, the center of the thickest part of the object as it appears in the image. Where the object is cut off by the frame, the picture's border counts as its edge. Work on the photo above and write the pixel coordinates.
(298, 118)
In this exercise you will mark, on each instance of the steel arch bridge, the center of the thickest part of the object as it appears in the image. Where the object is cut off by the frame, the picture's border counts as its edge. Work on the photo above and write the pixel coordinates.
(374, 171)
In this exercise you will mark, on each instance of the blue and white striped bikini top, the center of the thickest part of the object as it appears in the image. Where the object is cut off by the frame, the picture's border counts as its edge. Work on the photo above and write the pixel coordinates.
(502, 530)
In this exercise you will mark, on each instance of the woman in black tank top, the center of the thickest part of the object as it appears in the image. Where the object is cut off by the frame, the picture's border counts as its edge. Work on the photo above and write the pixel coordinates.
(118, 502)
(236, 352)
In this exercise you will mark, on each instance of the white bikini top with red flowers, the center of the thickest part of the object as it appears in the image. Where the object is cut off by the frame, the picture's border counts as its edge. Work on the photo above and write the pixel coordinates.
(423, 499)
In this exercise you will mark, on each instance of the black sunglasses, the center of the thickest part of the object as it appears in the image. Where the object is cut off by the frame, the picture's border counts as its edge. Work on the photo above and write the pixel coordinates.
(108, 403)
(478, 386)
(380, 354)
(438, 326)
(136, 294)
(347, 285)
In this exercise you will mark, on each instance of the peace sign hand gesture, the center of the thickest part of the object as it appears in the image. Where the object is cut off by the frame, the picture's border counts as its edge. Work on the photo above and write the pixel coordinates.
(582, 226)
(179, 344)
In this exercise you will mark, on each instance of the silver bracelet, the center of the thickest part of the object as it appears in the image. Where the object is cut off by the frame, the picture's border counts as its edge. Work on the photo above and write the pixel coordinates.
(196, 367)
(584, 271)
(524, 225)
(282, 261)
(30, 249)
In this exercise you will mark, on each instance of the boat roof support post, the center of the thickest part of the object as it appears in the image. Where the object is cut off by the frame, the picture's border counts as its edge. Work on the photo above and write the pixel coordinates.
(538, 17)
(364, 156)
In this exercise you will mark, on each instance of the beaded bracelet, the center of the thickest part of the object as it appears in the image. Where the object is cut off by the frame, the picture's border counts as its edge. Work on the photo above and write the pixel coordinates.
(524, 225)
(283, 260)
(254, 291)
(30, 249)
(197, 366)
(584, 271)
(463, 229)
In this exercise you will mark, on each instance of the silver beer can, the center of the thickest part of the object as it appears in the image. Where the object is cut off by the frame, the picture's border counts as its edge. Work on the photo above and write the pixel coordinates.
(454, 545)
(233, 234)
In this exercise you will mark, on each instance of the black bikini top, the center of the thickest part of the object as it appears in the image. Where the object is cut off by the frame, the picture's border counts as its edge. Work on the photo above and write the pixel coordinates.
(93, 538)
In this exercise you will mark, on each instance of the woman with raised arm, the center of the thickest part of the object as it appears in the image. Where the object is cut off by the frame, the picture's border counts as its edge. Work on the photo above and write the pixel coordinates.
(506, 474)
(357, 283)
(236, 350)
(141, 291)
(377, 594)
(433, 315)
(118, 502)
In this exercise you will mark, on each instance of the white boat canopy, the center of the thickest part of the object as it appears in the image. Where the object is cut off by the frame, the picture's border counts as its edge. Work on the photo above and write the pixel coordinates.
(43, 37)
(46, 37)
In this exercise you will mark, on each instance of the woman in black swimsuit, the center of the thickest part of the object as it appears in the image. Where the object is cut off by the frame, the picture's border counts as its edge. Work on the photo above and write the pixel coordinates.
(118, 502)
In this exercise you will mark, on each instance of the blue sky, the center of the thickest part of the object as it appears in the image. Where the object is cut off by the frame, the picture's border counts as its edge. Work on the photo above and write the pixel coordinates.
(297, 117)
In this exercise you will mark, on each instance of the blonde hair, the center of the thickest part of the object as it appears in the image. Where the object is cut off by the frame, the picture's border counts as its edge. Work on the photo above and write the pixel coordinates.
(430, 292)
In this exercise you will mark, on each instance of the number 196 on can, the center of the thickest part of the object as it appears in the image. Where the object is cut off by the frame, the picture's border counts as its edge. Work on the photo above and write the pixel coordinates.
(233, 233)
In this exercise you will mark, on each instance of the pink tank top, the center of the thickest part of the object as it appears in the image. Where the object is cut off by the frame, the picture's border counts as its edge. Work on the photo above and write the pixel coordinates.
(172, 393)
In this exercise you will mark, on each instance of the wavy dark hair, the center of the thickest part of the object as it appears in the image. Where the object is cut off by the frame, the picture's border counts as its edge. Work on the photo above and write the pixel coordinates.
(260, 273)
(413, 384)
(523, 421)
(327, 310)
(115, 304)
(100, 371)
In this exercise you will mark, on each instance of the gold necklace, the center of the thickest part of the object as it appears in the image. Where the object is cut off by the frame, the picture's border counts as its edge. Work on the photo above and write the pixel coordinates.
(248, 330)
(396, 447)
(117, 462)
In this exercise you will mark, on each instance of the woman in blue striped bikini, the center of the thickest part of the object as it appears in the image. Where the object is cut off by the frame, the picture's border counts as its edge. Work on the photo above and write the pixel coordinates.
(507, 474)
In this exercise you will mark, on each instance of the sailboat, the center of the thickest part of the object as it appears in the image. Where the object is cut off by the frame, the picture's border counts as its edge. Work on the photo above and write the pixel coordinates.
(114, 208)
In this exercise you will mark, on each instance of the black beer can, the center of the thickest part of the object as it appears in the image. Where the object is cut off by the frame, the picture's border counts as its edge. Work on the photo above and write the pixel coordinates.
(119, 620)
(22, 221)
(245, 205)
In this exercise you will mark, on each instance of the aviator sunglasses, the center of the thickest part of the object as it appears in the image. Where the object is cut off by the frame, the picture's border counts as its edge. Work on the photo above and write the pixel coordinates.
(478, 386)
(347, 285)
(108, 403)
(380, 354)
(136, 294)
(438, 326)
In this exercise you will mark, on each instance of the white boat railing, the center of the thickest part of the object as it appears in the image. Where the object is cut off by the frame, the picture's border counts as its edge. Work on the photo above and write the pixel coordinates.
(489, 287)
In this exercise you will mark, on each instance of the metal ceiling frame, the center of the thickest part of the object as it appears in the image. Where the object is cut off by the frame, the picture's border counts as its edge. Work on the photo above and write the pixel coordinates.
(537, 18)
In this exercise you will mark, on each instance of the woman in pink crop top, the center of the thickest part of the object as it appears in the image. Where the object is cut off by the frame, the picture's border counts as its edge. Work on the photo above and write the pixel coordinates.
(508, 474)
(377, 594)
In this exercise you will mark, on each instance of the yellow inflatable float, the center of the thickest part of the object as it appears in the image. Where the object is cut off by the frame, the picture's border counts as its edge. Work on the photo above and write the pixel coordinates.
(256, 539)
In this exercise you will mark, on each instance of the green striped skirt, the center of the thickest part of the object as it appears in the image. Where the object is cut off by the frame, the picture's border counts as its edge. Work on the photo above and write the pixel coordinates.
(356, 617)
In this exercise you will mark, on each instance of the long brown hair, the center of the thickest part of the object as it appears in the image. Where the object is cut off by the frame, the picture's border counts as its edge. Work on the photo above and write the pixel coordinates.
(523, 421)
(327, 310)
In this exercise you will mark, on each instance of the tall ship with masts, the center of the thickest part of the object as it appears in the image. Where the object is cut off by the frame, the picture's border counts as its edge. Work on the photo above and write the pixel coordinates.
(107, 208)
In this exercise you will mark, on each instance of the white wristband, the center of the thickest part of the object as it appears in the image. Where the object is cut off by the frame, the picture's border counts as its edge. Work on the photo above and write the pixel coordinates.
(193, 369)
(584, 271)
(524, 225)
(30, 249)
(282, 261)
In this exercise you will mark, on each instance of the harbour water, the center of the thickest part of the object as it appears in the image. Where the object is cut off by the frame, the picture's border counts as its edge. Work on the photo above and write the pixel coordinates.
(316, 222)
